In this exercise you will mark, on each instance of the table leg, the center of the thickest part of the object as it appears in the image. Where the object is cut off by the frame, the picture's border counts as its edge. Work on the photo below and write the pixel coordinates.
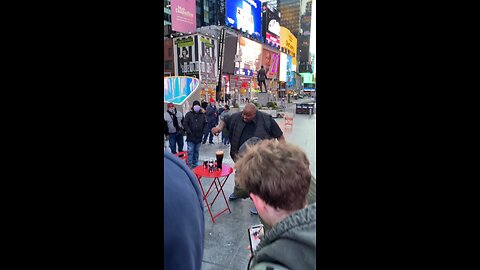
(223, 193)
(205, 198)
(221, 186)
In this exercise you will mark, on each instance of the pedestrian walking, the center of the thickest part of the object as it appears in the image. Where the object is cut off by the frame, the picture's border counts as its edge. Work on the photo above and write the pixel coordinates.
(212, 120)
(174, 120)
(195, 123)
(225, 114)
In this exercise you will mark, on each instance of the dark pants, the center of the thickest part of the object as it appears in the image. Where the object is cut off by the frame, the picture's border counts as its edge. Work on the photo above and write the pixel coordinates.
(174, 139)
(208, 132)
(264, 85)
(193, 153)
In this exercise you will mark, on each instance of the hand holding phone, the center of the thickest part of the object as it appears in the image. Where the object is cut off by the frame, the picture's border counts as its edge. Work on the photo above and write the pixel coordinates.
(254, 234)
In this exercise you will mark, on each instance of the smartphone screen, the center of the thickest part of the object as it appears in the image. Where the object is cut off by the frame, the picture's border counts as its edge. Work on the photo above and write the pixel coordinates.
(254, 234)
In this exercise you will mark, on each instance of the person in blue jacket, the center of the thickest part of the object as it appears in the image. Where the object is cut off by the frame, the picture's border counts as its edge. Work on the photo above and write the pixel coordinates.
(184, 224)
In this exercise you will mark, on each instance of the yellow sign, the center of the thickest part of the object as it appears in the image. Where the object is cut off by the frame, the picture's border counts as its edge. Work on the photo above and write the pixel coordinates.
(288, 41)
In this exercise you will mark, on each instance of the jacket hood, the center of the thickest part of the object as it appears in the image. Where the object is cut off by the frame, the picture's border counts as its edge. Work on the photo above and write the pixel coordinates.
(292, 242)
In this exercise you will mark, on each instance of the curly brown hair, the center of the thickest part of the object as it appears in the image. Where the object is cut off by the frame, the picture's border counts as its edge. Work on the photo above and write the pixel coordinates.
(276, 172)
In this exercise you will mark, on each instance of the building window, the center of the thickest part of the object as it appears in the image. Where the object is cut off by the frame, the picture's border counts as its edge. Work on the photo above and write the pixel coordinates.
(168, 65)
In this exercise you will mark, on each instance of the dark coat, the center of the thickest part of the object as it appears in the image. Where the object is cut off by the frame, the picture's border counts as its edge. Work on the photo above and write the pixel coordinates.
(183, 217)
(194, 124)
(212, 115)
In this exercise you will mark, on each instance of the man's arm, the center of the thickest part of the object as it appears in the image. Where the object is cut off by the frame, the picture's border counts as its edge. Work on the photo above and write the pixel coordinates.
(218, 128)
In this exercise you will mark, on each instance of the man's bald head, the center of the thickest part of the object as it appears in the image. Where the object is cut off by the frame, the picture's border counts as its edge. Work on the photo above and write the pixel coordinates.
(249, 112)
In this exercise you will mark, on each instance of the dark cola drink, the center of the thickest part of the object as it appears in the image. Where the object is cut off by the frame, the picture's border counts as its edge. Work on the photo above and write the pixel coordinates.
(219, 155)
(205, 164)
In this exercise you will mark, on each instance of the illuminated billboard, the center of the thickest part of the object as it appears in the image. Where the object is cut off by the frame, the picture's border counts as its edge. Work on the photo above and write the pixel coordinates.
(271, 25)
(270, 61)
(183, 15)
(307, 77)
(245, 15)
(248, 53)
(283, 67)
(290, 82)
(288, 41)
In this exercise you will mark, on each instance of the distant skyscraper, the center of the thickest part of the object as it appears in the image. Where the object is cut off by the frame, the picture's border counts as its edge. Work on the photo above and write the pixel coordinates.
(290, 15)
(210, 12)
(304, 39)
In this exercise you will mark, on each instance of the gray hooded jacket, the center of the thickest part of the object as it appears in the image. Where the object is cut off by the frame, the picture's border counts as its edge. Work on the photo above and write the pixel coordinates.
(291, 244)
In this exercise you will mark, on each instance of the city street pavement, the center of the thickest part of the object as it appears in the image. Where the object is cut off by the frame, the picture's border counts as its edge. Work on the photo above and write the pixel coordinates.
(226, 242)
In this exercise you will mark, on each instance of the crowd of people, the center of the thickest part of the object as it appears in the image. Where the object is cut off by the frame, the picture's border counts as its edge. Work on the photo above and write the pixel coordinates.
(272, 173)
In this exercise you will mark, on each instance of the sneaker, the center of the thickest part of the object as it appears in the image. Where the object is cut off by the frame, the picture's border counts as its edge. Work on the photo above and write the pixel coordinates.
(211, 143)
(232, 197)
(204, 142)
(254, 211)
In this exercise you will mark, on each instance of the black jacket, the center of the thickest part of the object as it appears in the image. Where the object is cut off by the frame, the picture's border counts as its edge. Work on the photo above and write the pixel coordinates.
(194, 124)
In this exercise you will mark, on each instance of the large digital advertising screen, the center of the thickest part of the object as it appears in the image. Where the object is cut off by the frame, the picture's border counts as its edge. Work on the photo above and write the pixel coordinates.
(184, 15)
(271, 24)
(307, 77)
(288, 41)
(244, 15)
(248, 52)
(283, 67)
(290, 75)
(270, 61)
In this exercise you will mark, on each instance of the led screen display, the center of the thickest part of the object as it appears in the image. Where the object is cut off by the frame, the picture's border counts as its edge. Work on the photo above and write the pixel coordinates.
(283, 67)
(248, 52)
(244, 15)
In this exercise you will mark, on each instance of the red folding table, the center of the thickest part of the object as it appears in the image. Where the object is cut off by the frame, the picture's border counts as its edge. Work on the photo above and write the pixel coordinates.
(201, 172)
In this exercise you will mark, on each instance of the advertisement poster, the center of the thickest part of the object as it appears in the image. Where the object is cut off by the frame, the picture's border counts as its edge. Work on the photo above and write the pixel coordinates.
(208, 60)
(271, 25)
(244, 15)
(178, 89)
(186, 56)
(288, 41)
(249, 52)
(290, 75)
(283, 67)
(184, 15)
(270, 61)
